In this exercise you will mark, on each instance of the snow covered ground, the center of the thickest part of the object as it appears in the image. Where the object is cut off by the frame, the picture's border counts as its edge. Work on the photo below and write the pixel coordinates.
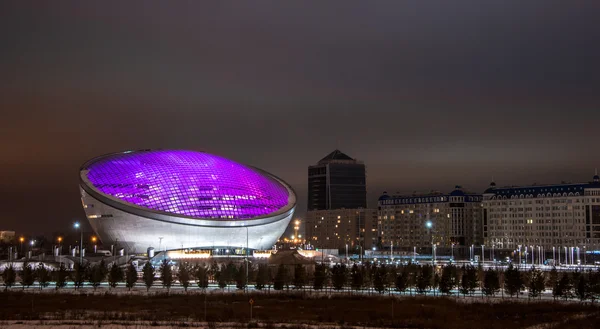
(162, 325)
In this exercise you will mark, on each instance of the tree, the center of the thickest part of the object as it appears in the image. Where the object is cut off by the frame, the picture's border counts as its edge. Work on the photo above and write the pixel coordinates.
(563, 287)
(339, 276)
(320, 277)
(424, 279)
(231, 272)
(166, 274)
(552, 278)
(468, 282)
(96, 274)
(447, 281)
(79, 275)
(582, 290)
(401, 283)
(131, 277)
(115, 275)
(436, 282)
(201, 276)
(513, 282)
(240, 277)
(9, 276)
(213, 271)
(473, 278)
(27, 275)
(367, 270)
(262, 277)
(221, 277)
(464, 282)
(148, 275)
(299, 276)
(357, 277)
(184, 275)
(281, 278)
(537, 282)
(43, 276)
(61, 276)
(594, 287)
(379, 279)
(491, 282)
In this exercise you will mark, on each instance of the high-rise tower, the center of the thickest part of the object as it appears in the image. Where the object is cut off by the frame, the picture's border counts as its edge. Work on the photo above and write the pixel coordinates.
(337, 182)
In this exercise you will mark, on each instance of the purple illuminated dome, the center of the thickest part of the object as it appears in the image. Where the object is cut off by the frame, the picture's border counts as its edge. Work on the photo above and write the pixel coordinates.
(167, 200)
(187, 183)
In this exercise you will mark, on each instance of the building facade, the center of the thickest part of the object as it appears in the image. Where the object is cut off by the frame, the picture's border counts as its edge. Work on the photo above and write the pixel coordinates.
(548, 216)
(337, 182)
(422, 220)
(334, 229)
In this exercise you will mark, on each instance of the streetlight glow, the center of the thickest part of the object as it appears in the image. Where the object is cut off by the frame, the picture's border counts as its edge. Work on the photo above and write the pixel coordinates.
(428, 224)
(76, 225)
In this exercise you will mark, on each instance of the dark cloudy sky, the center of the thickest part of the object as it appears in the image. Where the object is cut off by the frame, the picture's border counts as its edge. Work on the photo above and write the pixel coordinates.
(428, 94)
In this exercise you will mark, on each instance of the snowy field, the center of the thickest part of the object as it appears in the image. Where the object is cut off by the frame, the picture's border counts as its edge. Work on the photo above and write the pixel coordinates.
(161, 325)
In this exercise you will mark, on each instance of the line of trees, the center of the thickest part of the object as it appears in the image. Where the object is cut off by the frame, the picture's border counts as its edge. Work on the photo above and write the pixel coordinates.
(94, 275)
(373, 278)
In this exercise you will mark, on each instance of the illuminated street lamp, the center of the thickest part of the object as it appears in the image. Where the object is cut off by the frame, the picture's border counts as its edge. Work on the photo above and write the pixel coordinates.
(429, 225)
(21, 239)
(296, 228)
(94, 239)
(59, 239)
(77, 226)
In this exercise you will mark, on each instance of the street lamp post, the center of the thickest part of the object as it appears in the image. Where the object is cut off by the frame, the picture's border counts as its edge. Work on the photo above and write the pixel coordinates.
(59, 250)
(77, 226)
(95, 245)
(247, 234)
(346, 253)
(296, 227)
(429, 225)
(21, 239)
(482, 255)
(472, 252)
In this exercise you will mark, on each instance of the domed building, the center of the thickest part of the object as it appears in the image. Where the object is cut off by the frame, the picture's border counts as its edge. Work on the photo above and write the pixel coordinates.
(177, 199)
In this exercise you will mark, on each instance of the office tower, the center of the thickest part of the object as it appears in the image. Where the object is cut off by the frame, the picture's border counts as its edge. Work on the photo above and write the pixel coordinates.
(337, 182)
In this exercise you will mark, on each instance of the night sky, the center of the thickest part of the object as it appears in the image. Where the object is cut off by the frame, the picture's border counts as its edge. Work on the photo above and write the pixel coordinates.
(429, 94)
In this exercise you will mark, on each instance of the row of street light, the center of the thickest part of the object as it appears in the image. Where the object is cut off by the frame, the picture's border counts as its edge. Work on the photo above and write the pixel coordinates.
(59, 239)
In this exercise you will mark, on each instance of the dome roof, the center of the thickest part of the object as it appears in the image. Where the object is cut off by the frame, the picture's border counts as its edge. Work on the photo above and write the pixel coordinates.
(385, 196)
(458, 191)
(187, 183)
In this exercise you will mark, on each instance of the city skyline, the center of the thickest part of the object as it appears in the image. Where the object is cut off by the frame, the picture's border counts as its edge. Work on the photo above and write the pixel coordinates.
(427, 95)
